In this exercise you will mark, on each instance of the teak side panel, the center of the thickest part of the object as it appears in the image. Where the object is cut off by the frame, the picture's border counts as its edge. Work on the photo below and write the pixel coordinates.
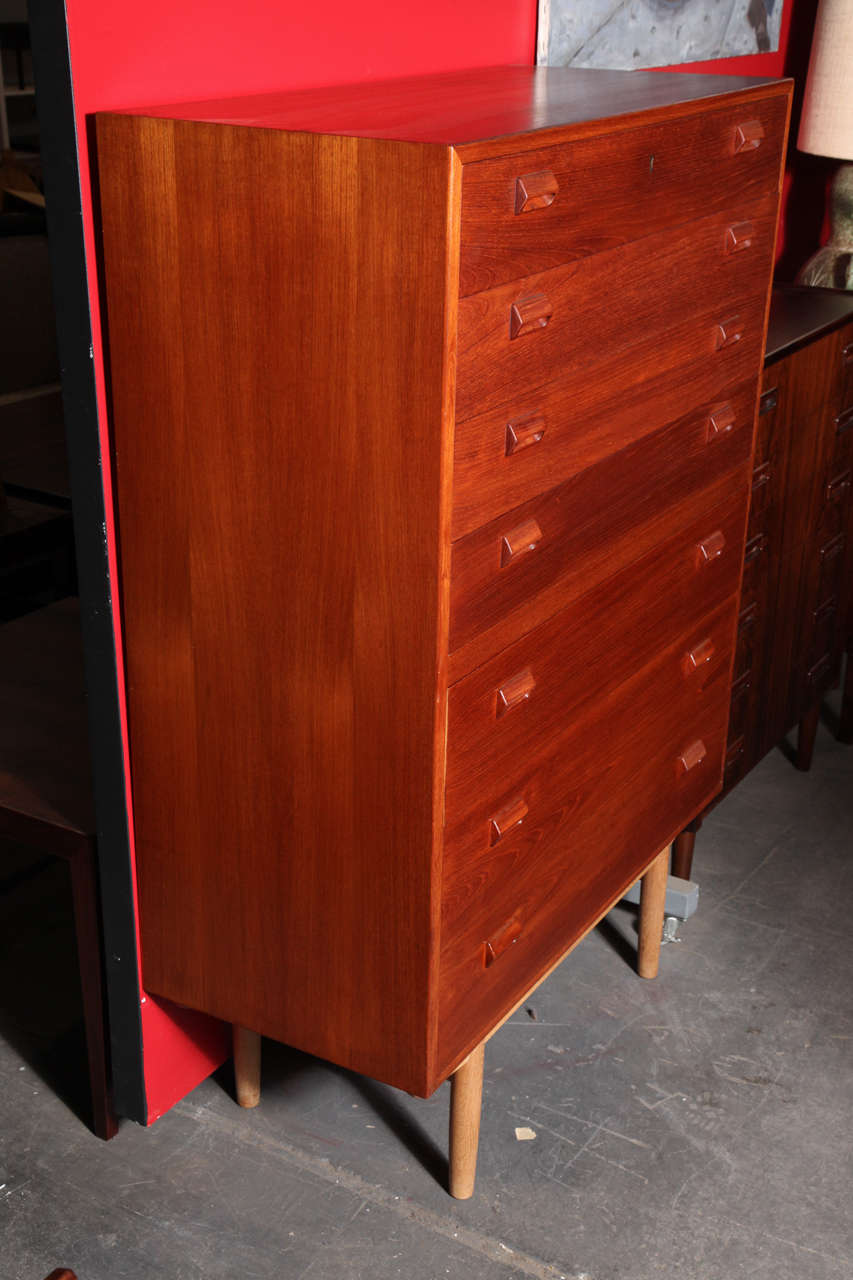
(283, 481)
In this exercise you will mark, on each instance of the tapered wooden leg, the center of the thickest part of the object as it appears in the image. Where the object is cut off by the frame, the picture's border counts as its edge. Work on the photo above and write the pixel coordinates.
(466, 1098)
(845, 727)
(806, 734)
(247, 1066)
(652, 900)
(682, 850)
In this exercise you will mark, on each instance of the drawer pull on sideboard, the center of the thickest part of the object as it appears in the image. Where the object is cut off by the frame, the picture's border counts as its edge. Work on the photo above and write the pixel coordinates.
(748, 136)
(524, 432)
(720, 422)
(836, 490)
(535, 191)
(847, 355)
(833, 548)
(820, 669)
(699, 655)
(769, 400)
(761, 476)
(514, 692)
(711, 547)
(844, 421)
(520, 541)
(692, 756)
(510, 816)
(739, 236)
(503, 939)
(755, 547)
(747, 619)
(529, 314)
(728, 332)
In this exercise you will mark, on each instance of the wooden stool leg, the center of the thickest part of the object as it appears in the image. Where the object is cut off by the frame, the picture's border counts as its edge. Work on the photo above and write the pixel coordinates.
(84, 893)
(466, 1096)
(247, 1065)
(652, 900)
(806, 734)
(845, 728)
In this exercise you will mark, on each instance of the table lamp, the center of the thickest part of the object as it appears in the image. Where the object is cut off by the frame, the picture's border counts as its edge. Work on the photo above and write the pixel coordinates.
(826, 129)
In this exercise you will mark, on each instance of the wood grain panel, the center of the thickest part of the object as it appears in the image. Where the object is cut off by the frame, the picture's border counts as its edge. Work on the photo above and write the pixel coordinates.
(661, 175)
(299, 714)
(649, 283)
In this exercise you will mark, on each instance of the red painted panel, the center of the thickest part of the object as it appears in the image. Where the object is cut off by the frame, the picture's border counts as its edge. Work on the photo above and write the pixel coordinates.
(127, 53)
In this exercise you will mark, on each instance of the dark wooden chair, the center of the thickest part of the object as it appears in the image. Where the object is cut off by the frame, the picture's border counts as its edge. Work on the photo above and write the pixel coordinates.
(46, 793)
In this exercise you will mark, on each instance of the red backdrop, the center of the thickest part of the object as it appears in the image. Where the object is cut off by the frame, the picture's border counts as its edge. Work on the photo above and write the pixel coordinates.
(129, 54)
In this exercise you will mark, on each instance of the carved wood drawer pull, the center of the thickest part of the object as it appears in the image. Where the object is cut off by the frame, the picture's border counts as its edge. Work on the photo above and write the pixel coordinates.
(735, 751)
(720, 421)
(748, 618)
(503, 939)
(748, 136)
(692, 756)
(529, 314)
(511, 815)
(698, 656)
(524, 432)
(514, 691)
(844, 421)
(832, 548)
(755, 547)
(728, 332)
(820, 668)
(847, 355)
(769, 400)
(826, 611)
(739, 236)
(535, 191)
(761, 476)
(520, 541)
(836, 490)
(711, 547)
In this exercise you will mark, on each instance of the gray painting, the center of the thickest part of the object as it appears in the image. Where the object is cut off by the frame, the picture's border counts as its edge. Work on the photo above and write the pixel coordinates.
(653, 33)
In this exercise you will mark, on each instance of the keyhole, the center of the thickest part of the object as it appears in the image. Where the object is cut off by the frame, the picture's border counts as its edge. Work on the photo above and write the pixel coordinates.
(651, 163)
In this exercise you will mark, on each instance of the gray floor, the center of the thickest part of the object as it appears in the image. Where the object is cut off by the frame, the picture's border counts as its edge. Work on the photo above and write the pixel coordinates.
(700, 1126)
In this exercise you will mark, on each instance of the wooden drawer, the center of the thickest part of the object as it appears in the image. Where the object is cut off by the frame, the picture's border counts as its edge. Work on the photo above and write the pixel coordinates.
(527, 213)
(515, 339)
(655, 740)
(563, 543)
(514, 712)
(503, 458)
(845, 370)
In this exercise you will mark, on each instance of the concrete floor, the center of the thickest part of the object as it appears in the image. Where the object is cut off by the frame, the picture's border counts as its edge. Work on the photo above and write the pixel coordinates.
(700, 1126)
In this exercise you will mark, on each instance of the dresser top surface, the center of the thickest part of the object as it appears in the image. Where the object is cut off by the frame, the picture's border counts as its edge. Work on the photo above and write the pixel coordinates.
(460, 107)
(800, 314)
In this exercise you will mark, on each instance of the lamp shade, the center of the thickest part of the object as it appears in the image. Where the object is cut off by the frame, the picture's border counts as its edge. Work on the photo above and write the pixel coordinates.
(826, 125)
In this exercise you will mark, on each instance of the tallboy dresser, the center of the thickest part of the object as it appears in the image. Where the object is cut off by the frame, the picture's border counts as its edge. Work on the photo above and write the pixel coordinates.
(433, 408)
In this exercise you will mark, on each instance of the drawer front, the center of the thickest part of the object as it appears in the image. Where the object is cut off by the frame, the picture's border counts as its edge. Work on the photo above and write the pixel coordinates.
(513, 710)
(560, 545)
(505, 457)
(511, 906)
(527, 213)
(515, 339)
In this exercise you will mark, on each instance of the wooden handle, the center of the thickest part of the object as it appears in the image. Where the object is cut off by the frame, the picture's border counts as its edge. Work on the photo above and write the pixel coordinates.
(529, 314)
(735, 752)
(699, 655)
(761, 476)
(755, 547)
(535, 191)
(520, 541)
(747, 136)
(720, 421)
(820, 668)
(524, 432)
(711, 547)
(769, 400)
(844, 421)
(728, 332)
(739, 236)
(847, 355)
(832, 548)
(514, 691)
(511, 815)
(747, 618)
(503, 939)
(836, 490)
(692, 756)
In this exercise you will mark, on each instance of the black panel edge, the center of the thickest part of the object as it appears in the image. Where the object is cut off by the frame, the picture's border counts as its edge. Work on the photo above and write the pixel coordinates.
(60, 159)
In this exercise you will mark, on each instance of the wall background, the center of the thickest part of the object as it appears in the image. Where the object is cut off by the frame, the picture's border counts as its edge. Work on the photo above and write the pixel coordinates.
(126, 54)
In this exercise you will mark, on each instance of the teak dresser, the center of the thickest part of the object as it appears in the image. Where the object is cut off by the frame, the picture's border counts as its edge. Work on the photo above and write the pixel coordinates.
(433, 408)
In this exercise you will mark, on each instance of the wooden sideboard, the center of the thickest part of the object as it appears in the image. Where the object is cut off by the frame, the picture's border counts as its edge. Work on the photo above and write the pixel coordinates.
(433, 410)
(796, 614)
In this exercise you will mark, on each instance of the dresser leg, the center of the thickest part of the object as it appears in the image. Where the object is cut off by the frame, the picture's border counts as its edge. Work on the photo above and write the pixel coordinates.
(247, 1066)
(845, 728)
(682, 850)
(806, 734)
(652, 900)
(466, 1097)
